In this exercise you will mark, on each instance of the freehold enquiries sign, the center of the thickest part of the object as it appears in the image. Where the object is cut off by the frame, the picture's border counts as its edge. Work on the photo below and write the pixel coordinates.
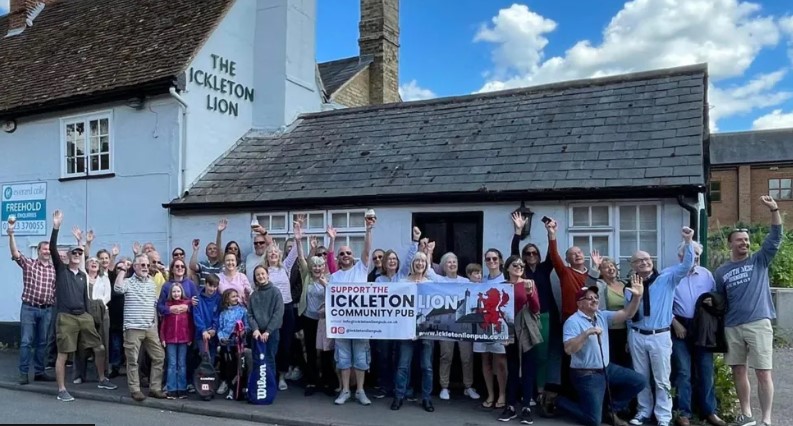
(25, 204)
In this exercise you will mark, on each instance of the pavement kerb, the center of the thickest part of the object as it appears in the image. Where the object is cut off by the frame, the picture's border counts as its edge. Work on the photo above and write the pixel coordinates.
(175, 406)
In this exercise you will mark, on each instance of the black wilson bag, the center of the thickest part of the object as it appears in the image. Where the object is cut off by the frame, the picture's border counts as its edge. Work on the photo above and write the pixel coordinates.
(205, 378)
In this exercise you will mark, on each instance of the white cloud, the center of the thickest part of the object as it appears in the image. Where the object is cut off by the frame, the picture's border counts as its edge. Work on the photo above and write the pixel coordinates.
(411, 91)
(645, 35)
(776, 119)
(786, 24)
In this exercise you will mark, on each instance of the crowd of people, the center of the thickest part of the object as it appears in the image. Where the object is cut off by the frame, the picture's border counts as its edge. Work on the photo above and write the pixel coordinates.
(619, 345)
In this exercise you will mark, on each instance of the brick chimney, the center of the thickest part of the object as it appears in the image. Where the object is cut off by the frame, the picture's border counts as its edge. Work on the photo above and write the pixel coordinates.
(22, 13)
(379, 37)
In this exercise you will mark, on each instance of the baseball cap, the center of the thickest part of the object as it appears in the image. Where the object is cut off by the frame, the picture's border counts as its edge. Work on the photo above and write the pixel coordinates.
(581, 294)
(73, 248)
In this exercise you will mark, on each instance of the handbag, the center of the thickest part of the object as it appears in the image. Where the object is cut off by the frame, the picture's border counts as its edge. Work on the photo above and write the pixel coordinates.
(205, 378)
(262, 386)
(95, 307)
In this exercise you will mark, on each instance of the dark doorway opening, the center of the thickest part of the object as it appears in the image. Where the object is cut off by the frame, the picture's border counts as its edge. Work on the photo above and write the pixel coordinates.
(457, 232)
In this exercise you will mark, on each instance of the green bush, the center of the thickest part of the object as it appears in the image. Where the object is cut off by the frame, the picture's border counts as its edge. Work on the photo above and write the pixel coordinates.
(726, 396)
(781, 271)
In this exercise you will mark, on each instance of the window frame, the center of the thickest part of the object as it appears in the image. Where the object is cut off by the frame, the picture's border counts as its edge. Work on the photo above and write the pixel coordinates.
(587, 255)
(658, 224)
(776, 193)
(343, 234)
(715, 193)
(86, 120)
(596, 228)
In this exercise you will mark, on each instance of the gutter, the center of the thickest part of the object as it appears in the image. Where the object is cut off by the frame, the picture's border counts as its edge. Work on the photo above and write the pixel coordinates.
(693, 215)
(182, 141)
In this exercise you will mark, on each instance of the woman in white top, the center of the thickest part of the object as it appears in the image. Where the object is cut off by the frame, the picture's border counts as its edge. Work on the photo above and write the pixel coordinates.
(98, 290)
(280, 270)
(494, 355)
(421, 348)
(450, 265)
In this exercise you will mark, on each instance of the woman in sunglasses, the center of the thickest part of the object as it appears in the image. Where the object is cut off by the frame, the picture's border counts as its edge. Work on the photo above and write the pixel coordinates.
(550, 349)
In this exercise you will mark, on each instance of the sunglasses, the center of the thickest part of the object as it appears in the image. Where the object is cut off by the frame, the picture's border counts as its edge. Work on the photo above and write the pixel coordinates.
(517, 265)
(531, 253)
(143, 265)
(322, 254)
(178, 254)
(178, 266)
(491, 259)
(157, 262)
(76, 252)
(345, 253)
(259, 243)
(740, 230)
(379, 256)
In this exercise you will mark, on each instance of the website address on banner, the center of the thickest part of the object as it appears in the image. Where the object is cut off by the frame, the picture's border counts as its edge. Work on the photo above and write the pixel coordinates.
(453, 335)
(360, 321)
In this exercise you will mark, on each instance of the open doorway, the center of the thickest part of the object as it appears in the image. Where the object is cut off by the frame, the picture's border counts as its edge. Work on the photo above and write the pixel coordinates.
(457, 232)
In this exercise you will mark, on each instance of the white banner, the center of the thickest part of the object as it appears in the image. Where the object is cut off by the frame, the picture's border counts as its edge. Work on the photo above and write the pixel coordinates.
(371, 311)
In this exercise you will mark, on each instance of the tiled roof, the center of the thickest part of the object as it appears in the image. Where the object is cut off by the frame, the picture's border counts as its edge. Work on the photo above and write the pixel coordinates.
(763, 146)
(335, 73)
(80, 49)
(638, 133)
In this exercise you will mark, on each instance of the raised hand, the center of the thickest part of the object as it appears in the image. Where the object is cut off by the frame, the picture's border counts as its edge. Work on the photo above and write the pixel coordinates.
(136, 248)
(518, 220)
(301, 219)
(259, 229)
(431, 246)
(597, 259)
(637, 286)
(551, 227)
(370, 221)
(298, 231)
(115, 250)
(416, 233)
(11, 225)
(57, 219)
(313, 243)
(222, 224)
(688, 234)
(78, 234)
(89, 237)
(769, 202)
(196, 244)
(331, 231)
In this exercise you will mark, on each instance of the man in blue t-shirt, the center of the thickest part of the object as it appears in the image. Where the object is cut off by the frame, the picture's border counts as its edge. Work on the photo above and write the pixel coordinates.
(750, 339)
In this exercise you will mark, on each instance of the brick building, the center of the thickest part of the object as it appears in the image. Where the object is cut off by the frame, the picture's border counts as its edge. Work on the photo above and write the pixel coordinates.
(372, 77)
(745, 166)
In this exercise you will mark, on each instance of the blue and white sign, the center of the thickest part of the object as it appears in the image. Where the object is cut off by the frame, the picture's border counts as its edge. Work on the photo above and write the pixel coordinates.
(27, 204)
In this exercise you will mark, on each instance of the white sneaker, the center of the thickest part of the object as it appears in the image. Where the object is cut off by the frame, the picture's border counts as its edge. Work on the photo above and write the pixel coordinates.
(532, 403)
(361, 397)
(295, 375)
(282, 384)
(343, 397)
(444, 394)
(288, 374)
(471, 393)
(223, 388)
(77, 381)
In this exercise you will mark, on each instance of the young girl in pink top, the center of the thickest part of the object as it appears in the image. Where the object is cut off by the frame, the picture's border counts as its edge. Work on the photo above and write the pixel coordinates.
(176, 333)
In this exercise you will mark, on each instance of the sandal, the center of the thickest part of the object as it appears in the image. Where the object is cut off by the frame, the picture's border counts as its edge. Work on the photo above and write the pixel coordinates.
(487, 404)
(500, 405)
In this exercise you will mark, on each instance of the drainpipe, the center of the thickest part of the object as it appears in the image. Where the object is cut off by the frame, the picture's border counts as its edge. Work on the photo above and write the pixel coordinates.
(693, 219)
(180, 184)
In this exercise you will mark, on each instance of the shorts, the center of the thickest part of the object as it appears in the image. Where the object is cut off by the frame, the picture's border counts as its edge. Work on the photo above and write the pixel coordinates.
(752, 342)
(489, 348)
(352, 353)
(76, 331)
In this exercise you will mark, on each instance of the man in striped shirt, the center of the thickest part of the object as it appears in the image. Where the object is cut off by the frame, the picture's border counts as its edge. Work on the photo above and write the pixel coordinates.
(140, 327)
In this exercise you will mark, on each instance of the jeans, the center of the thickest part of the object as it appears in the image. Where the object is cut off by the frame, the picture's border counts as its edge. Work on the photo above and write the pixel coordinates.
(177, 367)
(688, 359)
(287, 329)
(407, 349)
(520, 373)
(309, 327)
(35, 324)
(116, 349)
(591, 389)
(387, 359)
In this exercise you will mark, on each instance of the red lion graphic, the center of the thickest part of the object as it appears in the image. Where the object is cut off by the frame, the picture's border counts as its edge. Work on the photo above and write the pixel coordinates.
(489, 305)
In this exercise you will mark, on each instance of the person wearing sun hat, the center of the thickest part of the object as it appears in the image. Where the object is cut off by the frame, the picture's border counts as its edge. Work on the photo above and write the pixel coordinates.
(586, 340)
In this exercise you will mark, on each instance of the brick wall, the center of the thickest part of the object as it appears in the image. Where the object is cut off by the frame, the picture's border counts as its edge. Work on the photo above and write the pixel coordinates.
(355, 93)
(759, 187)
(379, 37)
(725, 212)
(741, 189)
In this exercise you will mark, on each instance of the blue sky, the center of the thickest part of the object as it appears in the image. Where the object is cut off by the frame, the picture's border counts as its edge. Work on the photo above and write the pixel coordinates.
(483, 45)
(488, 45)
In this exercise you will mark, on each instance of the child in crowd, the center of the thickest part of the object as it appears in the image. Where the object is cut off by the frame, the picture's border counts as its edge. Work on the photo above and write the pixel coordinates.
(205, 317)
(231, 313)
(474, 272)
(176, 333)
(266, 311)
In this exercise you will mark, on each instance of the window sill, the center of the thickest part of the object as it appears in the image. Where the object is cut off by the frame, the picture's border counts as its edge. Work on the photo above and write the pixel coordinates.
(85, 177)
